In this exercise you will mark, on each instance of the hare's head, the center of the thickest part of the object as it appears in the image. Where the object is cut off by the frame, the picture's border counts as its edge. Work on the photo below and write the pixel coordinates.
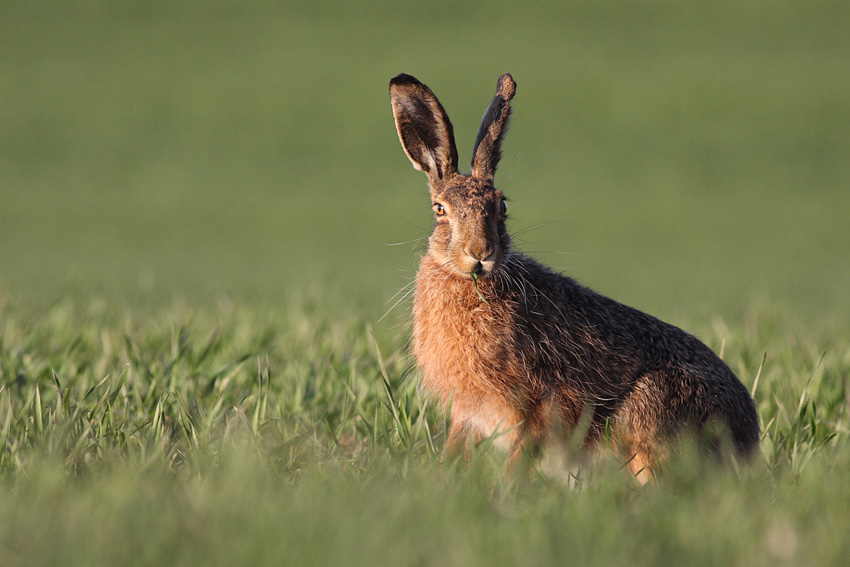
(470, 212)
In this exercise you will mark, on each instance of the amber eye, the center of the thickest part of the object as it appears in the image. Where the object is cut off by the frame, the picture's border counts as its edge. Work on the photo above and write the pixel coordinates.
(439, 209)
(504, 207)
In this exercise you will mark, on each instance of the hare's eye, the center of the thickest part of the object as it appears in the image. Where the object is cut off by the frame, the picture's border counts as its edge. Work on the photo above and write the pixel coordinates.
(504, 207)
(439, 209)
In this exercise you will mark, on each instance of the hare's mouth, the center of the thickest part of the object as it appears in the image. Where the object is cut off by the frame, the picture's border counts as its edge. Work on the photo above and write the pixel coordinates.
(471, 267)
(484, 268)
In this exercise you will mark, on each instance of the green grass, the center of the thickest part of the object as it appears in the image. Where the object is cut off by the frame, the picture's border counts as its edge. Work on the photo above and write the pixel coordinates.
(196, 208)
(223, 435)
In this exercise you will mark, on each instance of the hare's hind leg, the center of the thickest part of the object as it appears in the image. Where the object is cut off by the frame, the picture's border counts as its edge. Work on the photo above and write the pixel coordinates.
(640, 428)
(640, 465)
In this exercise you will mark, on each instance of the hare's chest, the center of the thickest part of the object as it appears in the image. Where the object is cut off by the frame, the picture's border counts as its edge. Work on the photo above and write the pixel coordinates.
(463, 370)
(462, 352)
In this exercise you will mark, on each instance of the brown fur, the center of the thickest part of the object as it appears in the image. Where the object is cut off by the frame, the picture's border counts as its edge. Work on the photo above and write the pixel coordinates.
(523, 352)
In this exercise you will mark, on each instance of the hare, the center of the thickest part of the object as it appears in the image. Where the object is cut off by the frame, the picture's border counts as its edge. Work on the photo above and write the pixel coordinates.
(519, 353)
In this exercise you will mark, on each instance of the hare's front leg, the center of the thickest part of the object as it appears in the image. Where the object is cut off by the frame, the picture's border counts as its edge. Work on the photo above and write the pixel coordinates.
(457, 443)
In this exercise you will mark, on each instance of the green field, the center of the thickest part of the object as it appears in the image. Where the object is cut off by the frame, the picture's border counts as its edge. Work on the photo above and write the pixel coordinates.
(205, 218)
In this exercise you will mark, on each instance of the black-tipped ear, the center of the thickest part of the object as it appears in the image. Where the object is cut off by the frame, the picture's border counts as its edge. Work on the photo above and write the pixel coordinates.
(423, 127)
(494, 126)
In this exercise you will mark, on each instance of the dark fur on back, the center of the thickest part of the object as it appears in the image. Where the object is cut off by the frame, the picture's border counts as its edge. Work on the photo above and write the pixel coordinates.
(519, 350)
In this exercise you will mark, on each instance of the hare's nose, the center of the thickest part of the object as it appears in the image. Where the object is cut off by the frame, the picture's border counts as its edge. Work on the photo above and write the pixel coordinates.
(479, 252)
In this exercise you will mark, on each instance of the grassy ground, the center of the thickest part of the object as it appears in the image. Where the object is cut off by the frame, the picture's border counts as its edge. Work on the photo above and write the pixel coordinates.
(196, 203)
(226, 435)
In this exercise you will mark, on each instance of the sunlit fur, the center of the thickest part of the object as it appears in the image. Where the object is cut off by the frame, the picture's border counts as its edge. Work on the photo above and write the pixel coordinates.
(527, 354)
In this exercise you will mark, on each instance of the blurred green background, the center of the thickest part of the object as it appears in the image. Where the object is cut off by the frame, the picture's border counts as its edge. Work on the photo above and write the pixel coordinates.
(684, 157)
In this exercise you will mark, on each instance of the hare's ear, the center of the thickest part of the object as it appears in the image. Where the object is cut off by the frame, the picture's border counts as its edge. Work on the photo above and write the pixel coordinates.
(423, 127)
(494, 126)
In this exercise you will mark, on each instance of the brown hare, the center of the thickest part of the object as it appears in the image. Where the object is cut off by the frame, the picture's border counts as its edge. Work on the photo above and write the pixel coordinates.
(519, 352)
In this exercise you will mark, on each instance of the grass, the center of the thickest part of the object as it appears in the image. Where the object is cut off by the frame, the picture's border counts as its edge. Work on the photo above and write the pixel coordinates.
(200, 362)
(187, 436)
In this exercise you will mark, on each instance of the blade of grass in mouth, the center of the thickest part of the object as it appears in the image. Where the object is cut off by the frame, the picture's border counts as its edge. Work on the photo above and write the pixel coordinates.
(475, 283)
